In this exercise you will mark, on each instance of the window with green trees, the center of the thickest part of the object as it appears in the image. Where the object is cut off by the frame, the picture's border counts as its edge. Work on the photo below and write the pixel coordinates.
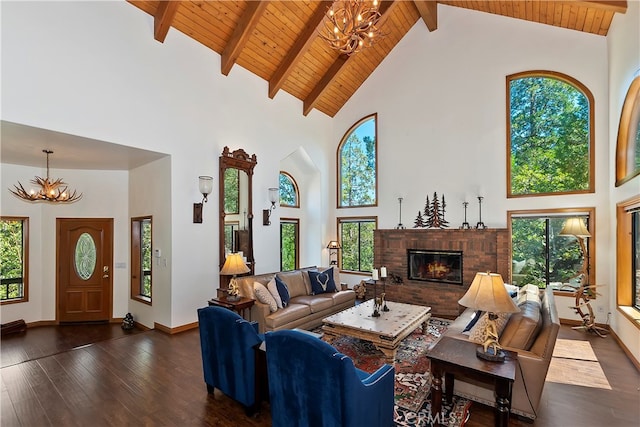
(550, 135)
(14, 247)
(141, 258)
(541, 256)
(289, 244)
(356, 240)
(289, 196)
(357, 164)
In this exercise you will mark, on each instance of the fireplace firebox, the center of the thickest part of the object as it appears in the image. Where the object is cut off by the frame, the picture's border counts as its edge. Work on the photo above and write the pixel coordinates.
(435, 266)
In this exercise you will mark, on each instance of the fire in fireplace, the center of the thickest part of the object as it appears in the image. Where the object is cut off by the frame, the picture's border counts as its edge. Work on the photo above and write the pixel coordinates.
(435, 266)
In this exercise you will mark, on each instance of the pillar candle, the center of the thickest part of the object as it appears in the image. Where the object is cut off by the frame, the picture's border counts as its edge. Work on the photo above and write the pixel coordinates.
(383, 272)
(374, 274)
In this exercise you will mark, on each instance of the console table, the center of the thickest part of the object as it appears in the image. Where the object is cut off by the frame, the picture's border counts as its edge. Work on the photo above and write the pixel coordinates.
(452, 356)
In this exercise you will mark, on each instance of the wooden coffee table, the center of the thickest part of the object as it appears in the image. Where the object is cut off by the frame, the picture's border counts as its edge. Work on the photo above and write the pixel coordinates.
(385, 332)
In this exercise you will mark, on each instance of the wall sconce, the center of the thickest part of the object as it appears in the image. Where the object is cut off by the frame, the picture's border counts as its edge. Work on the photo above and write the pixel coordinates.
(273, 198)
(333, 247)
(205, 184)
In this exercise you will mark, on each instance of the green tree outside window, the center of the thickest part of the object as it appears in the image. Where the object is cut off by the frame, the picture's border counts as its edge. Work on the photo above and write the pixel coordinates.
(357, 168)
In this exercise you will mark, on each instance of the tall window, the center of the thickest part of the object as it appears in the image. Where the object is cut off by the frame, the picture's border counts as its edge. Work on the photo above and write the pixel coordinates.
(289, 195)
(141, 259)
(628, 258)
(550, 135)
(14, 266)
(289, 244)
(635, 258)
(356, 240)
(628, 146)
(357, 165)
(540, 255)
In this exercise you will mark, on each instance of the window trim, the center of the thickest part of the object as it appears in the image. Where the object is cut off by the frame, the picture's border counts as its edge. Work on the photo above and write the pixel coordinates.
(295, 189)
(297, 222)
(624, 293)
(586, 92)
(339, 156)
(591, 211)
(624, 148)
(136, 261)
(25, 259)
(343, 219)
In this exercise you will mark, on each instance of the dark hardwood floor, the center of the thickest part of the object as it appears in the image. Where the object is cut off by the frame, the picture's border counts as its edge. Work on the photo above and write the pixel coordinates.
(151, 378)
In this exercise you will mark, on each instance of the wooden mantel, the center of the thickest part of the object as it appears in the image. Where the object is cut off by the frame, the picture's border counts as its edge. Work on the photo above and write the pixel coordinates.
(482, 250)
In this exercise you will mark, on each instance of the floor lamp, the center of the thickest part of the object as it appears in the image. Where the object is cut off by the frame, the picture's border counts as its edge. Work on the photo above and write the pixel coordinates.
(576, 227)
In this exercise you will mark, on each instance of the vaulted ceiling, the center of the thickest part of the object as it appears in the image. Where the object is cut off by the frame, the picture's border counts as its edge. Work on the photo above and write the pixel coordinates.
(278, 40)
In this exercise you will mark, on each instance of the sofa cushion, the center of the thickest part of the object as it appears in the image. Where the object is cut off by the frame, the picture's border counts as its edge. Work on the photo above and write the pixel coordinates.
(316, 302)
(263, 295)
(477, 332)
(283, 291)
(295, 282)
(273, 290)
(342, 297)
(523, 327)
(322, 282)
(290, 314)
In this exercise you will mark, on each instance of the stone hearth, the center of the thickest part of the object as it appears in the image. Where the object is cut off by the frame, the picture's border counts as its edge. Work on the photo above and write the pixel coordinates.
(482, 250)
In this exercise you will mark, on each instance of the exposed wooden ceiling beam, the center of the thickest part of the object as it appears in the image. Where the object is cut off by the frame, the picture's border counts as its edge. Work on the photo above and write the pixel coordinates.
(428, 10)
(315, 94)
(619, 6)
(241, 34)
(163, 18)
(299, 48)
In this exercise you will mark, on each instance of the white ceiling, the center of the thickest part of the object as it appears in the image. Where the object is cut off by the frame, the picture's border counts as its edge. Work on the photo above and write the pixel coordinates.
(23, 145)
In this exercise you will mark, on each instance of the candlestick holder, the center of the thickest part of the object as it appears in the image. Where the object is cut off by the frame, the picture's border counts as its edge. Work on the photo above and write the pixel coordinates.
(376, 313)
(384, 294)
(480, 225)
(465, 225)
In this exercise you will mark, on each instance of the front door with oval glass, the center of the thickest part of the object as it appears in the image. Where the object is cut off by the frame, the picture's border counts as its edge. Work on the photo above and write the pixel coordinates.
(85, 254)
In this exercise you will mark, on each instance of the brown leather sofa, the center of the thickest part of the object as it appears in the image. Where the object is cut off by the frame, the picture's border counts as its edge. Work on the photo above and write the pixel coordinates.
(533, 336)
(305, 310)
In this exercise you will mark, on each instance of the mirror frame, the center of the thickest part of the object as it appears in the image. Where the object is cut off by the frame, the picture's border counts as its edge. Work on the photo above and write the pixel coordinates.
(238, 159)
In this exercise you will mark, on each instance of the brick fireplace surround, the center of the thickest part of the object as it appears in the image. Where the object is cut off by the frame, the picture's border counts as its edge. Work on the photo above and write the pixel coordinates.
(482, 250)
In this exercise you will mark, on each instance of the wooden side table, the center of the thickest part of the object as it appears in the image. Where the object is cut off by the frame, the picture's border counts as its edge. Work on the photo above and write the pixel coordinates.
(453, 356)
(238, 306)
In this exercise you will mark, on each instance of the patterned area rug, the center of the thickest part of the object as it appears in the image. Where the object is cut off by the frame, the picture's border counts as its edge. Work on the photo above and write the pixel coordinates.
(412, 379)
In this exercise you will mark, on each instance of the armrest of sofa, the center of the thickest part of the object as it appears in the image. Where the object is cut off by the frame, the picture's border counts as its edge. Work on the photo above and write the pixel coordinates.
(259, 312)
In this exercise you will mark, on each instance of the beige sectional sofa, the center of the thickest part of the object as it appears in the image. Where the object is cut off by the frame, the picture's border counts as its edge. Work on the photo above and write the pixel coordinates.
(532, 333)
(305, 310)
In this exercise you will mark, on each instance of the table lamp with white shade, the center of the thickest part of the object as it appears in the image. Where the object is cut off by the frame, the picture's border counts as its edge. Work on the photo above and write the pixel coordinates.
(487, 293)
(233, 265)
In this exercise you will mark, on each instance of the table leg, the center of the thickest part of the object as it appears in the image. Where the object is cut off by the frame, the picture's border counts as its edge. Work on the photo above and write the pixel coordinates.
(503, 403)
(448, 387)
(436, 389)
(389, 354)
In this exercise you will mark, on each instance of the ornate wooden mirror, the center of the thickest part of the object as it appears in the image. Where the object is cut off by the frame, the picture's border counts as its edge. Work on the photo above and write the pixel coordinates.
(235, 207)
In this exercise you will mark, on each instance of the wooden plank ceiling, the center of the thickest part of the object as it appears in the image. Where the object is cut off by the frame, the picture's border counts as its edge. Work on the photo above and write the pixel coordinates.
(278, 40)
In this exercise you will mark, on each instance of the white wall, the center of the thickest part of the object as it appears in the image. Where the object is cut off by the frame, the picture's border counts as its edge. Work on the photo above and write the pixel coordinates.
(100, 189)
(624, 66)
(102, 75)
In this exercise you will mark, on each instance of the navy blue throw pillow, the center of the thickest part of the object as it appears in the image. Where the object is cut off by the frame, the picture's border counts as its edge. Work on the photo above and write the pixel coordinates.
(283, 291)
(322, 282)
(477, 315)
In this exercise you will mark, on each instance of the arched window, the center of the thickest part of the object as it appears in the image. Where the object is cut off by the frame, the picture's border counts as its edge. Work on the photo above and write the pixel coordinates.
(628, 147)
(357, 164)
(289, 194)
(550, 135)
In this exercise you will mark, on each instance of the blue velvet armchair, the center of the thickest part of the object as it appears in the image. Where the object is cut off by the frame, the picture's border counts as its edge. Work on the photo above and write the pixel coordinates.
(311, 384)
(228, 357)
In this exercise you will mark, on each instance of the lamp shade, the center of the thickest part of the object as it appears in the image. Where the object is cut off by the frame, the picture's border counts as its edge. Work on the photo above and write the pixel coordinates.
(333, 245)
(487, 293)
(234, 265)
(205, 184)
(575, 227)
(274, 195)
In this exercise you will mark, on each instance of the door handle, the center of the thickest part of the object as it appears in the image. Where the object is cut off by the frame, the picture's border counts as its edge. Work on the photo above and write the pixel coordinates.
(105, 271)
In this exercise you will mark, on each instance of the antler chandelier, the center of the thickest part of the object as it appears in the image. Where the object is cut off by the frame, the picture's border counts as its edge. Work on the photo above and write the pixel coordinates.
(351, 25)
(50, 191)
